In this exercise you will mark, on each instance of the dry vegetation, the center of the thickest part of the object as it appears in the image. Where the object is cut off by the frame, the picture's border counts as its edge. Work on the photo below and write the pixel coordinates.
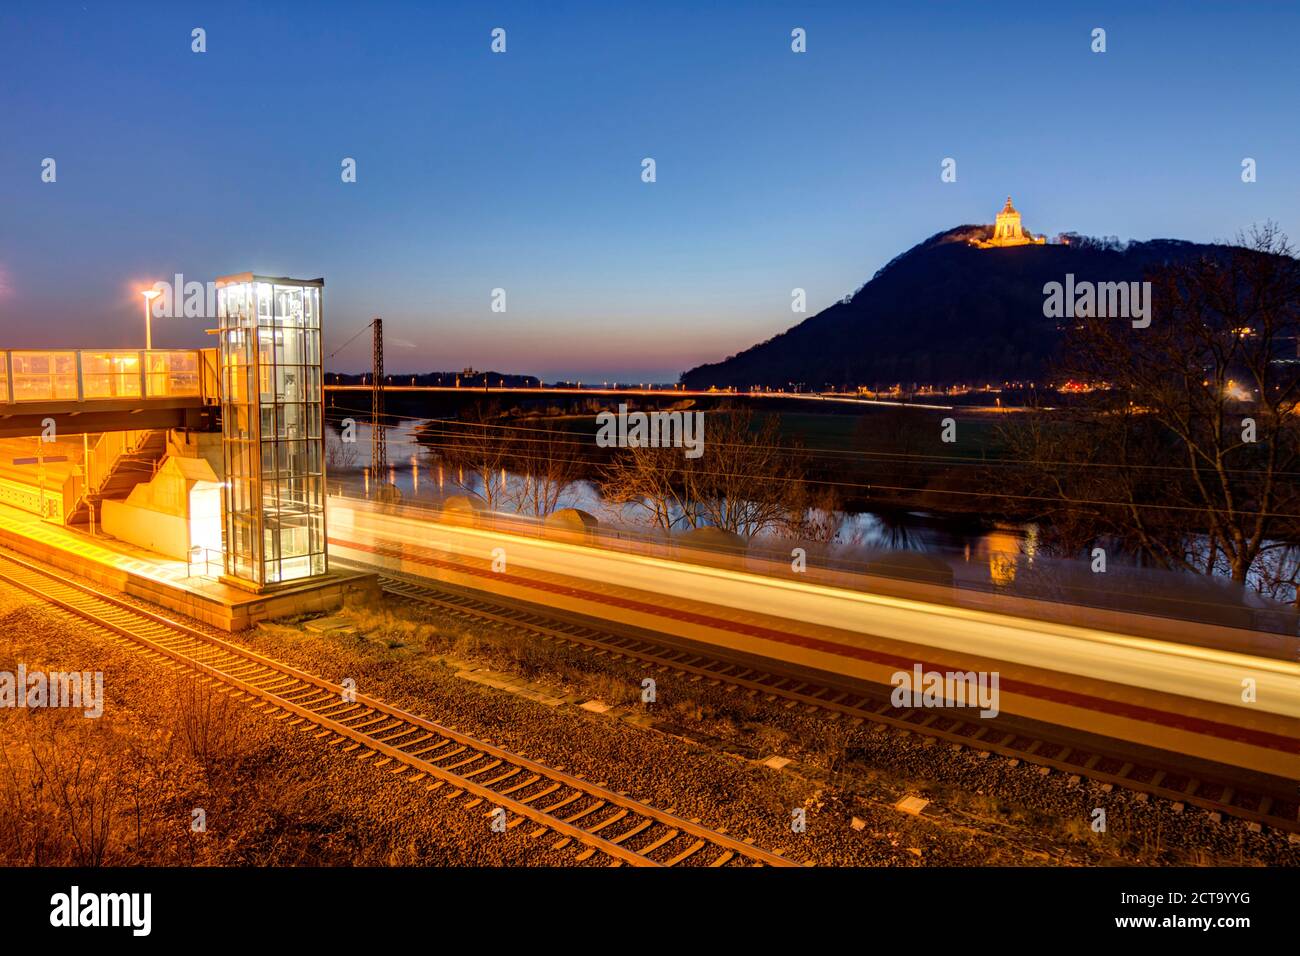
(122, 789)
(983, 811)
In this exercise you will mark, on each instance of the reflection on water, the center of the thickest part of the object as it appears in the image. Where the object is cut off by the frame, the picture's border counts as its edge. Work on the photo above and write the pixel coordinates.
(1003, 548)
(422, 479)
(1005, 556)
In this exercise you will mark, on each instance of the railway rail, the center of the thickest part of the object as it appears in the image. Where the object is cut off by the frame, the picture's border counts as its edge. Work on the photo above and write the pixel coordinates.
(1277, 808)
(575, 810)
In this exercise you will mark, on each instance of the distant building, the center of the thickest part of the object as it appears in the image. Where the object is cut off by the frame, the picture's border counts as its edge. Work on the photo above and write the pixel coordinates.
(1007, 231)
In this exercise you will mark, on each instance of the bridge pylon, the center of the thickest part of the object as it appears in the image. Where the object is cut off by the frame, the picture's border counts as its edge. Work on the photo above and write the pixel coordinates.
(378, 435)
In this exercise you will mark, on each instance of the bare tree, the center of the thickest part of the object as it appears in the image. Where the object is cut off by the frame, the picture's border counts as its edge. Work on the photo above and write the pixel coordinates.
(818, 516)
(1187, 449)
(746, 481)
(338, 453)
(477, 452)
(649, 480)
(546, 465)
(896, 451)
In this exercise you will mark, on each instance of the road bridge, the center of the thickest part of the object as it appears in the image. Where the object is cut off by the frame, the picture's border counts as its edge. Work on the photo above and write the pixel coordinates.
(570, 391)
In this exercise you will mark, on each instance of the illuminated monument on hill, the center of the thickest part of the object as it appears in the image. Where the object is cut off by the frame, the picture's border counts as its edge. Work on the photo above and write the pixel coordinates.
(1007, 231)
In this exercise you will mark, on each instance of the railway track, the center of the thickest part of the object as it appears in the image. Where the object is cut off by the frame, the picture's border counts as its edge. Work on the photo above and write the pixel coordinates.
(1279, 808)
(486, 777)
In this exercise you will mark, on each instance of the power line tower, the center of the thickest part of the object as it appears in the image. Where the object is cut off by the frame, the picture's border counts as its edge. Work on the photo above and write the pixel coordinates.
(378, 438)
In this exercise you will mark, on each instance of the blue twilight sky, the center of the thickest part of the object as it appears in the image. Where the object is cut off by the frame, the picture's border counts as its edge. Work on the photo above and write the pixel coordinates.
(522, 170)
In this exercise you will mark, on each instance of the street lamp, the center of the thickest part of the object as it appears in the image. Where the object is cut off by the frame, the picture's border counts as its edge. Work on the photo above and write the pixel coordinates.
(149, 296)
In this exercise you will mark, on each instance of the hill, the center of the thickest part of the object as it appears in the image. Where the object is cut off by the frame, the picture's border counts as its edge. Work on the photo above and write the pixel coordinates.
(944, 312)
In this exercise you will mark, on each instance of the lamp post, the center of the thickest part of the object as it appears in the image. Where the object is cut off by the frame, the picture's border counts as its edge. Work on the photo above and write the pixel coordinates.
(149, 296)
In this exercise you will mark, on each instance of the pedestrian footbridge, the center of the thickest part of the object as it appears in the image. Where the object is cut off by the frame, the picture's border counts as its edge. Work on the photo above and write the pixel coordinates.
(99, 390)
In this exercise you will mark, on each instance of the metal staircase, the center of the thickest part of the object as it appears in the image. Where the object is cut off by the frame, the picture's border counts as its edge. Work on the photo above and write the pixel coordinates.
(118, 462)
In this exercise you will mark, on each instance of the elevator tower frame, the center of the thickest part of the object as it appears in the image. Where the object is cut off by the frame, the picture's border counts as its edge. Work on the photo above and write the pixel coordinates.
(272, 412)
